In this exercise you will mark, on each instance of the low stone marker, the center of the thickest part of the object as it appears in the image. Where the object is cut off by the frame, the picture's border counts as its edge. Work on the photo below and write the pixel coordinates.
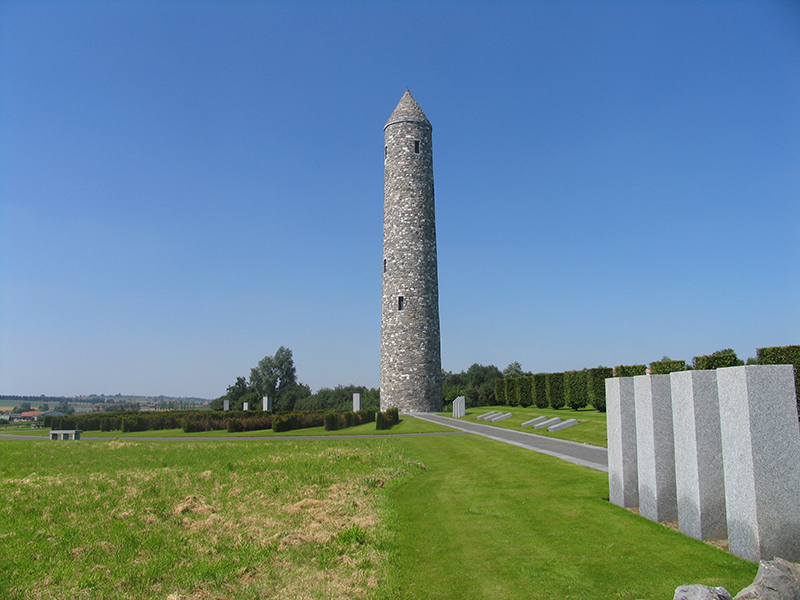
(534, 421)
(699, 477)
(623, 478)
(65, 434)
(500, 417)
(245, 406)
(226, 405)
(563, 425)
(548, 423)
(459, 407)
(266, 403)
(356, 402)
(760, 450)
(655, 448)
(487, 416)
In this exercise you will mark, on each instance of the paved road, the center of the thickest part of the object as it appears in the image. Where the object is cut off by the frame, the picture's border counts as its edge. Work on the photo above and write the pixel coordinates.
(574, 452)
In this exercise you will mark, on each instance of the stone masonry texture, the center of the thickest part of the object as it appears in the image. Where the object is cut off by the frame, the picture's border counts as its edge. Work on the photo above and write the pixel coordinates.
(411, 365)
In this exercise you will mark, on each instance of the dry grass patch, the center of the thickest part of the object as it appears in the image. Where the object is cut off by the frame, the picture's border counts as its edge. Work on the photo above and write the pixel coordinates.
(123, 519)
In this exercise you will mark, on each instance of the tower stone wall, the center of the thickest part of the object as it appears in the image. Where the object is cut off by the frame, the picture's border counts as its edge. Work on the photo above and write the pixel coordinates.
(411, 366)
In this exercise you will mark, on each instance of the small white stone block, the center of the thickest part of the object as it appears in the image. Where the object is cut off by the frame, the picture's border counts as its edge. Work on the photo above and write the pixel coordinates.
(548, 423)
(266, 403)
(761, 461)
(459, 407)
(534, 421)
(487, 416)
(245, 406)
(623, 479)
(655, 448)
(356, 402)
(699, 476)
(501, 417)
(226, 405)
(563, 425)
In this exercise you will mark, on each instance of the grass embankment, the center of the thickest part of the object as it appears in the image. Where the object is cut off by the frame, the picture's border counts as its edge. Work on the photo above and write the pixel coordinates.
(134, 519)
(329, 519)
(490, 520)
(591, 427)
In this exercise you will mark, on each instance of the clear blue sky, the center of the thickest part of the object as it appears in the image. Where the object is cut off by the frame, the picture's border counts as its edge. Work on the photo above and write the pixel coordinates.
(187, 186)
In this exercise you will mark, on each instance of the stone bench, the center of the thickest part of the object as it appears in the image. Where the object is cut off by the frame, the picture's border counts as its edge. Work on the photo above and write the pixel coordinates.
(499, 417)
(563, 425)
(487, 416)
(535, 421)
(548, 423)
(65, 434)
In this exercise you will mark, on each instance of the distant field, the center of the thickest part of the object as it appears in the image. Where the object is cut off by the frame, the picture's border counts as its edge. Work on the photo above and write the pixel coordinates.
(591, 427)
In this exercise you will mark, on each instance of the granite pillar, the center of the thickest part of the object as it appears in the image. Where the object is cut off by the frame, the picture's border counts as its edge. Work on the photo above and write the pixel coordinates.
(699, 478)
(761, 461)
(655, 448)
(623, 482)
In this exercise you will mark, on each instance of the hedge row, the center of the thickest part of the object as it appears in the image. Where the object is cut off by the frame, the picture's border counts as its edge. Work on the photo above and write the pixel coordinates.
(193, 421)
(385, 420)
(782, 355)
(342, 419)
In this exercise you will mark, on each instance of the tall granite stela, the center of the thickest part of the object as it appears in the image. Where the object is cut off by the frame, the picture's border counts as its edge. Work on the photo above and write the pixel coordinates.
(411, 365)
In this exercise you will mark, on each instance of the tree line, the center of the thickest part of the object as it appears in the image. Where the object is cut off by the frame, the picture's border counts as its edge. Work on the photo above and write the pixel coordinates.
(276, 377)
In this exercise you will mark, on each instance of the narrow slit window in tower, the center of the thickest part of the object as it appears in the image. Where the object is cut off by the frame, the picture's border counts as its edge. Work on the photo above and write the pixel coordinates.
(400, 302)
(384, 265)
(416, 146)
(385, 151)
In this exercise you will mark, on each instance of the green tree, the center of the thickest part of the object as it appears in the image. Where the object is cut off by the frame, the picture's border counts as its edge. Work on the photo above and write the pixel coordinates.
(274, 375)
(513, 370)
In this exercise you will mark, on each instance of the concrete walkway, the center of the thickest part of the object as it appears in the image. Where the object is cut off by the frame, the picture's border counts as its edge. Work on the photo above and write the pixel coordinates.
(574, 452)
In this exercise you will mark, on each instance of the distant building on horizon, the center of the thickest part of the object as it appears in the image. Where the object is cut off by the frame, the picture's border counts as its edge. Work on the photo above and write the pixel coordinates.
(411, 364)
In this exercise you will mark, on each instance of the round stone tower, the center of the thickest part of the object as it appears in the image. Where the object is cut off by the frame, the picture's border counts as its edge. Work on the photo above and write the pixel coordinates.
(411, 364)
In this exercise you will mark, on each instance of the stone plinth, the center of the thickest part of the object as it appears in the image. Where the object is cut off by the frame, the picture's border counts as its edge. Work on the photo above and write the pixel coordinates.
(356, 402)
(623, 481)
(699, 477)
(535, 421)
(655, 448)
(245, 406)
(226, 405)
(266, 403)
(459, 407)
(761, 461)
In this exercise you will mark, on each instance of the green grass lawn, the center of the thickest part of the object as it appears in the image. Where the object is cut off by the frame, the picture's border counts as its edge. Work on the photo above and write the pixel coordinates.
(491, 520)
(591, 427)
(376, 518)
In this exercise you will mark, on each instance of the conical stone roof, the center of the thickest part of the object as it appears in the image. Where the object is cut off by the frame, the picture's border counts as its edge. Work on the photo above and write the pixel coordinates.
(408, 111)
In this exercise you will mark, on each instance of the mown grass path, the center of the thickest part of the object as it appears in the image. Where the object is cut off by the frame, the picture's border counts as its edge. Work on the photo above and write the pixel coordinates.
(490, 520)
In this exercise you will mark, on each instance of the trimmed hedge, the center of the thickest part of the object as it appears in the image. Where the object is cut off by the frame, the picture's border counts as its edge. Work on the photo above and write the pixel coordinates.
(576, 393)
(630, 370)
(597, 387)
(539, 390)
(555, 390)
(665, 367)
(782, 355)
(512, 395)
(718, 360)
(500, 391)
(524, 391)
